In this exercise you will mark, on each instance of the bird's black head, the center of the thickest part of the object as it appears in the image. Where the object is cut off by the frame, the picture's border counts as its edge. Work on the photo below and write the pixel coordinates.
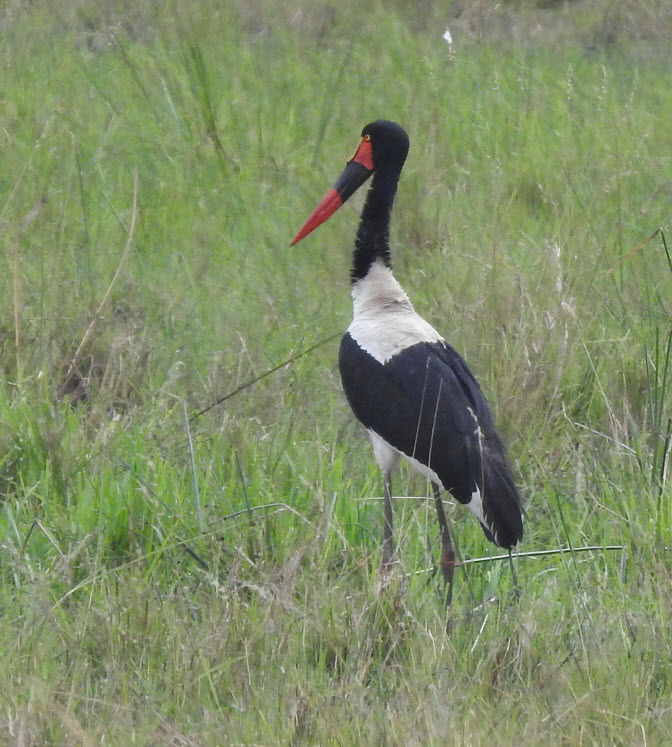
(389, 143)
(383, 148)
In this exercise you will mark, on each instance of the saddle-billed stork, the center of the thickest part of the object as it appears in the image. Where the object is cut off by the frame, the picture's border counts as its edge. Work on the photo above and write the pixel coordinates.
(411, 390)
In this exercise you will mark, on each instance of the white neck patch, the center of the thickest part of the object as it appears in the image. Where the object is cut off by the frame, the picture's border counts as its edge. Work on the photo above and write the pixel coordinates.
(384, 322)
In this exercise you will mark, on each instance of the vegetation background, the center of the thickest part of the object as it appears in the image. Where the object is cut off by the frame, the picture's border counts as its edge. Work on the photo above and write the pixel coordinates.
(189, 525)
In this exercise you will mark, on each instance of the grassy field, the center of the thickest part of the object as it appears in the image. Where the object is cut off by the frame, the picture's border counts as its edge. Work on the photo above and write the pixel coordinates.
(189, 528)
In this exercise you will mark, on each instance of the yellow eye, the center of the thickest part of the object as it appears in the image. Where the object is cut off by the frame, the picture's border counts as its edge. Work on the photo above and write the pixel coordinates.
(367, 137)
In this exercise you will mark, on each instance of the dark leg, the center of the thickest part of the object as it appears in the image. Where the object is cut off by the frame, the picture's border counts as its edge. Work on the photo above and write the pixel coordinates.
(388, 537)
(447, 562)
(516, 588)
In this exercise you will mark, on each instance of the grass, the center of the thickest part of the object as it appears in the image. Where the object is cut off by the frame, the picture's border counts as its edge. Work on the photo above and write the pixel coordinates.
(211, 579)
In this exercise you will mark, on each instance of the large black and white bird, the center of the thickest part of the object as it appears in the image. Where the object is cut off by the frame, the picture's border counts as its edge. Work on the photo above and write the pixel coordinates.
(411, 390)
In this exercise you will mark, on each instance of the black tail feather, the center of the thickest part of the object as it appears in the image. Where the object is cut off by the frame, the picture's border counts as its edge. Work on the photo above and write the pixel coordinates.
(501, 503)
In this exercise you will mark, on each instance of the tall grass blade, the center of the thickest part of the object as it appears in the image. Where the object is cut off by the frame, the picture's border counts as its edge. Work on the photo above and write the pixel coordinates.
(266, 373)
(194, 475)
(330, 101)
(74, 360)
(152, 493)
(202, 91)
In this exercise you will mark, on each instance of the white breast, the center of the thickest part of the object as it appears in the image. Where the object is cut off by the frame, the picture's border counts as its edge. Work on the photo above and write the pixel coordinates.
(384, 322)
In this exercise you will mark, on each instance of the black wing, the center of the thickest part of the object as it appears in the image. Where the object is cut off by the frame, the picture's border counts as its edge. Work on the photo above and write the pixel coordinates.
(426, 403)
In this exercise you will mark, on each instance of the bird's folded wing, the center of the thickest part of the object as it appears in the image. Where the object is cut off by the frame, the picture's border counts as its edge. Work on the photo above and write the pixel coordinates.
(425, 403)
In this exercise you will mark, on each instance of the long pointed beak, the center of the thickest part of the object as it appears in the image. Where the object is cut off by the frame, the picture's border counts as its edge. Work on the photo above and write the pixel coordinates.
(357, 171)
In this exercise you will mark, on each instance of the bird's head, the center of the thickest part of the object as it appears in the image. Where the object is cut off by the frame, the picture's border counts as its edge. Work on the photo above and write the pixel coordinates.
(384, 145)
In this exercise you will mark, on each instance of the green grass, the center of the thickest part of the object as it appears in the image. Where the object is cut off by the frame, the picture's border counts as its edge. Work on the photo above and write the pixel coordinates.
(154, 592)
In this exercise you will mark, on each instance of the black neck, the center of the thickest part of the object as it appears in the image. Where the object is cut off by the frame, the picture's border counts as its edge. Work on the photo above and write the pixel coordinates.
(373, 234)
